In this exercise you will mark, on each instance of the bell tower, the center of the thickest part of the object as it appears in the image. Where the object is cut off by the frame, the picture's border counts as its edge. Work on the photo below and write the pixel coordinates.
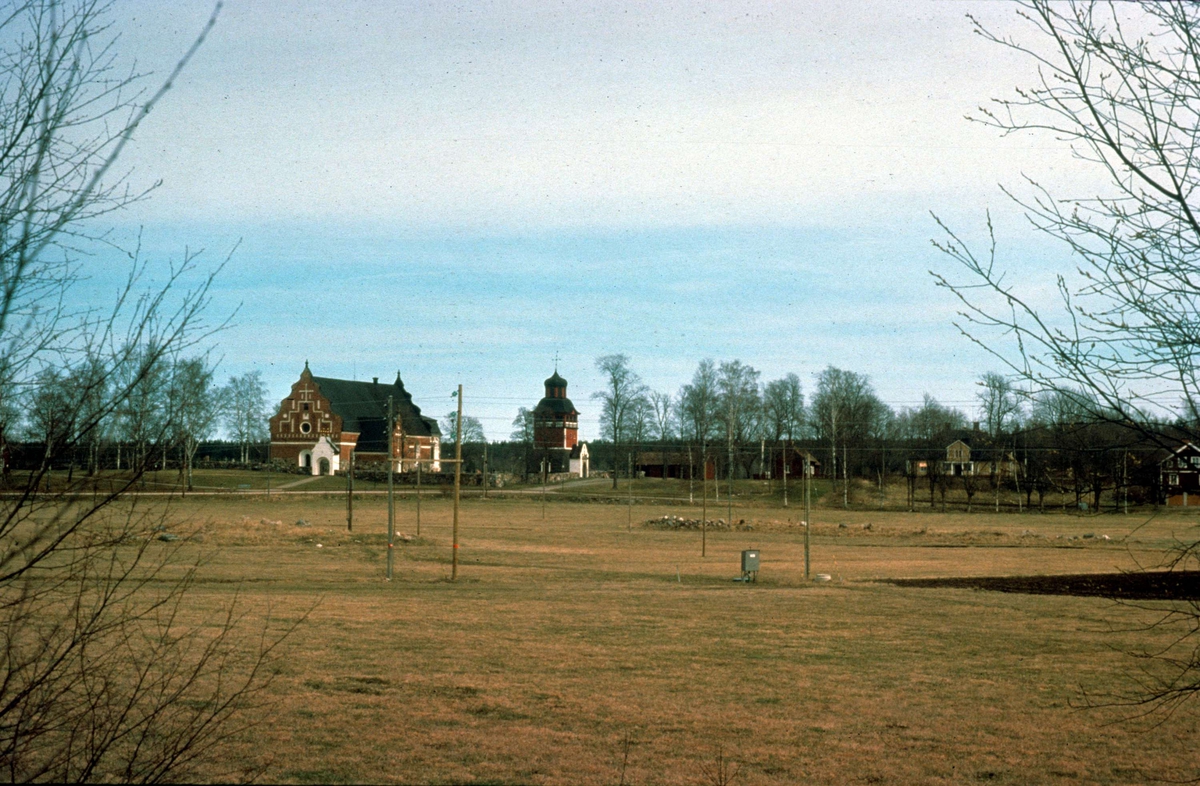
(555, 425)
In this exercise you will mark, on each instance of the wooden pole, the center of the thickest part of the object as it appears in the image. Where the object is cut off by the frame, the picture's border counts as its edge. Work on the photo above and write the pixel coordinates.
(350, 495)
(729, 501)
(807, 512)
(457, 484)
(391, 504)
(418, 492)
(545, 473)
(629, 489)
(787, 459)
(704, 504)
(485, 472)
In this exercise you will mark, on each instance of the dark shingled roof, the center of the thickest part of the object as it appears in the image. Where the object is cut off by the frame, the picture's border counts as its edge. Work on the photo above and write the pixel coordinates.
(556, 405)
(552, 404)
(362, 406)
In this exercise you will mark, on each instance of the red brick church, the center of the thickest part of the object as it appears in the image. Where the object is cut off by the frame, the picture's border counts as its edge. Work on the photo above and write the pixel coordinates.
(324, 420)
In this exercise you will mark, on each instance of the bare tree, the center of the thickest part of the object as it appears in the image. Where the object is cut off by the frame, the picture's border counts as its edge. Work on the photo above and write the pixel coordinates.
(698, 405)
(1119, 83)
(195, 406)
(783, 408)
(999, 404)
(622, 390)
(246, 410)
(472, 429)
(51, 414)
(141, 414)
(663, 409)
(931, 422)
(523, 433)
(738, 408)
(843, 412)
(472, 436)
(640, 420)
(103, 679)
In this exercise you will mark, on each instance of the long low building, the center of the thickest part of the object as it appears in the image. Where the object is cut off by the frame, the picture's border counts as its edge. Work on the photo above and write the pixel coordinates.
(325, 420)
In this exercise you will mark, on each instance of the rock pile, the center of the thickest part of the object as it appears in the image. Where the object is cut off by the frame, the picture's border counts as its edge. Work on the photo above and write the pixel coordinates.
(677, 523)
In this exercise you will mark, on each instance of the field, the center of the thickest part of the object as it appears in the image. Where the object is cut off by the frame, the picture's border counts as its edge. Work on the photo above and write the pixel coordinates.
(577, 649)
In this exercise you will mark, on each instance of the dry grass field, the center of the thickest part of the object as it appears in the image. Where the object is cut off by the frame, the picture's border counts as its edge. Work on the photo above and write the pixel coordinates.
(576, 650)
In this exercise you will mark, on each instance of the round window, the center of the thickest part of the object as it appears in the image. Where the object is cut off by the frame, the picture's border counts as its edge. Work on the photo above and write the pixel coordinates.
(305, 428)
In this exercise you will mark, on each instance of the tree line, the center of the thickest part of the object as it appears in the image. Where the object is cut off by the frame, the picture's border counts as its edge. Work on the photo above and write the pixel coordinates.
(1035, 443)
(139, 411)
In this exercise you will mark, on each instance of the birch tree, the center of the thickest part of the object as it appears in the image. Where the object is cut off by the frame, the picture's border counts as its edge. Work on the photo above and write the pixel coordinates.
(738, 408)
(622, 390)
(246, 410)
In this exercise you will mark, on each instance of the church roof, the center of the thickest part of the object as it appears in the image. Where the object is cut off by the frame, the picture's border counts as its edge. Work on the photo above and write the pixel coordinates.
(362, 406)
(556, 405)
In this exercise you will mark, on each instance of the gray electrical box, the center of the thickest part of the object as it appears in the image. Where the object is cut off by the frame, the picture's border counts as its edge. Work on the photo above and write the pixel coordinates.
(750, 561)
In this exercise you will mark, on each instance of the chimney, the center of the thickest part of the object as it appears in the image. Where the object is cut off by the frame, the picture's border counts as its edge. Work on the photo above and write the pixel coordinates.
(975, 425)
(375, 380)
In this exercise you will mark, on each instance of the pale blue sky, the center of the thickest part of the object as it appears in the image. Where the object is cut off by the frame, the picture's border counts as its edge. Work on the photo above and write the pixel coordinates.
(460, 191)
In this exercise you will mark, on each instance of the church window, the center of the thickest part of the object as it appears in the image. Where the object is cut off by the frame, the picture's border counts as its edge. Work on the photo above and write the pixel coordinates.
(305, 406)
(305, 428)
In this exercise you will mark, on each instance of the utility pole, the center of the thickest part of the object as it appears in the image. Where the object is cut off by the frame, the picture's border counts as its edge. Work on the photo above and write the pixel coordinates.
(545, 473)
(391, 505)
(807, 513)
(787, 459)
(629, 489)
(730, 489)
(350, 495)
(418, 491)
(704, 504)
(457, 484)
(485, 474)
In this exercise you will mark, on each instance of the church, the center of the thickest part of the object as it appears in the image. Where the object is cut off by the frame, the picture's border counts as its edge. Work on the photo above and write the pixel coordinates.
(324, 421)
(556, 445)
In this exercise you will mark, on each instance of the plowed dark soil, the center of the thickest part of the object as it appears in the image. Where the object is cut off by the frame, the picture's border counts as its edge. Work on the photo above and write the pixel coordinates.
(1159, 585)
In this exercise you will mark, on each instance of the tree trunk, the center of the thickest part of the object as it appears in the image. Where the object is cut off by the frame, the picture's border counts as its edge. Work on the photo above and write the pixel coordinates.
(845, 478)
(615, 462)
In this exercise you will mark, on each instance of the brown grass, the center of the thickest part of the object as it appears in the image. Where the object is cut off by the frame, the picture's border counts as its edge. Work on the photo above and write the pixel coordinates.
(564, 637)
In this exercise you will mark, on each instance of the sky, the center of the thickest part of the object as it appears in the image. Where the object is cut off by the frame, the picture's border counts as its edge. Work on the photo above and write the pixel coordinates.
(464, 192)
